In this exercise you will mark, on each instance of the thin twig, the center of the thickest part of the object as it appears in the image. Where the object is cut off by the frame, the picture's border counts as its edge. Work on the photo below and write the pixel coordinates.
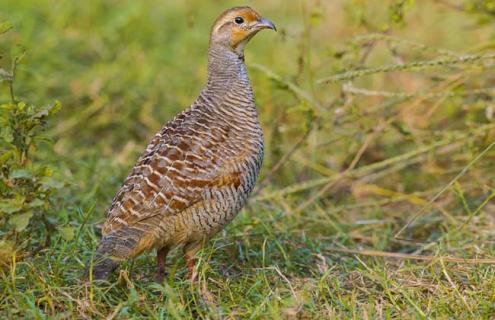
(292, 87)
(286, 157)
(369, 169)
(351, 167)
(300, 95)
(400, 41)
(349, 88)
(398, 255)
(417, 65)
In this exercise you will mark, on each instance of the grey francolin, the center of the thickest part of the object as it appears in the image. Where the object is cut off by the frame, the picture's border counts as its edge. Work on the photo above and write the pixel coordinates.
(198, 171)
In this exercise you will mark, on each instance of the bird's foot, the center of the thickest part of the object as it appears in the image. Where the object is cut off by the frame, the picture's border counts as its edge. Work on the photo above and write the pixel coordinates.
(191, 267)
(160, 276)
(161, 256)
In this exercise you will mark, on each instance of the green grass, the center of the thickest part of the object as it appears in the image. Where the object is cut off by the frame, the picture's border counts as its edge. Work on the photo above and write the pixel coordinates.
(367, 135)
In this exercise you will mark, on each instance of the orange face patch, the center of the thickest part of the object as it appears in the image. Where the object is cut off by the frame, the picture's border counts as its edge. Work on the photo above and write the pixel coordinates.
(238, 35)
(240, 32)
(249, 15)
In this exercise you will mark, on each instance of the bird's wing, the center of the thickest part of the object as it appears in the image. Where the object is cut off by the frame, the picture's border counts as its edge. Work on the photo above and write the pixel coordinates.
(183, 159)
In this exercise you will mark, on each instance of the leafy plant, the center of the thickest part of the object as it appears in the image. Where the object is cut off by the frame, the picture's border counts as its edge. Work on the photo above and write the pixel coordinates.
(26, 185)
(397, 11)
(481, 6)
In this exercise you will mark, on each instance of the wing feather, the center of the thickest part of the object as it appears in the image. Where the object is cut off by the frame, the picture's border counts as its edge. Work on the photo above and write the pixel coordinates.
(181, 161)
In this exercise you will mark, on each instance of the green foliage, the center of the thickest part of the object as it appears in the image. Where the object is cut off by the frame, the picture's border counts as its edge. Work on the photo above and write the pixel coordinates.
(397, 11)
(481, 6)
(26, 185)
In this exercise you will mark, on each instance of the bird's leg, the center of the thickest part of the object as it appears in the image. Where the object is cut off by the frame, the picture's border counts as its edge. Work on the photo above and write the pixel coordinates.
(191, 263)
(190, 251)
(161, 257)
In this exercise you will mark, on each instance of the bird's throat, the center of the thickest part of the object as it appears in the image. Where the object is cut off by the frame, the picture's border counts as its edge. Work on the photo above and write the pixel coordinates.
(225, 66)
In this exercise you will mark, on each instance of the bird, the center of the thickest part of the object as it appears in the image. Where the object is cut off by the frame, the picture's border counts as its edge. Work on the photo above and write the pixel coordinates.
(198, 171)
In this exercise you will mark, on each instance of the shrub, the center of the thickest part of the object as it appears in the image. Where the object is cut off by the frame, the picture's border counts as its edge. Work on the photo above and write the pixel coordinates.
(26, 183)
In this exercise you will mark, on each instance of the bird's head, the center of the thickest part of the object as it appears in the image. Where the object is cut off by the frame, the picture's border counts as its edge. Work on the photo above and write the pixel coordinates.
(235, 27)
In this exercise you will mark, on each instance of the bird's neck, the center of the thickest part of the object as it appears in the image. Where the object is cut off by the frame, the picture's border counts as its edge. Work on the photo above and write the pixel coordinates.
(228, 96)
(226, 72)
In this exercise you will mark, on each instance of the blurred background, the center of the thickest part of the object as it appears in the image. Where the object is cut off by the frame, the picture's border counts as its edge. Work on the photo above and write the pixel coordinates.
(378, 118)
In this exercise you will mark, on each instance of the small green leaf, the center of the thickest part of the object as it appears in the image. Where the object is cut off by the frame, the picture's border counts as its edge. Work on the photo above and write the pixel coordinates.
(4, 157)
(41, 114)
(48, 172)
(5, 26)
(21, 221)
(8, 106)
(55, 107)
(6, 134)
(50, 183)
(7, 248)
(36, 203)
(9, 206)
(18, 52)
(302, 107)
(402, 128)
(316, 17)
(20, 173)
(48, 111)
(66, 232)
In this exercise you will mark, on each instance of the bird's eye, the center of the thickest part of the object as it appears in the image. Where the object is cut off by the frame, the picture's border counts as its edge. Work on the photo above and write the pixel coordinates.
(239, 20)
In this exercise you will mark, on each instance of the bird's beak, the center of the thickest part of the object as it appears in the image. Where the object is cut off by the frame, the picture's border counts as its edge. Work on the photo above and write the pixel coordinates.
(265, 24)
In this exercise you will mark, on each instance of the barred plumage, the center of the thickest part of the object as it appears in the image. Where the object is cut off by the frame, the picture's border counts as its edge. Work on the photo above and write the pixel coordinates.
(198, 171)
